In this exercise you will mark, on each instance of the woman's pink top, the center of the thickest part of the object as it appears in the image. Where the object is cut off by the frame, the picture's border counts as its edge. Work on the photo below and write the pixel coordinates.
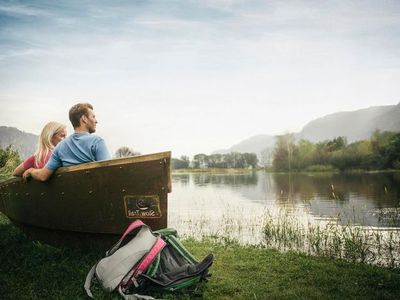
(30, 162)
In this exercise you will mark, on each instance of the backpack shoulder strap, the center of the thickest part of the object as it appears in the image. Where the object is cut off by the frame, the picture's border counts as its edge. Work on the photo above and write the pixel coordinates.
(175, 243)
(88, 281)
(134, 225)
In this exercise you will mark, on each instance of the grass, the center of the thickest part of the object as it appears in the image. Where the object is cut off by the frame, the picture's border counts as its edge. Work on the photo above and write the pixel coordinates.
(31, 270)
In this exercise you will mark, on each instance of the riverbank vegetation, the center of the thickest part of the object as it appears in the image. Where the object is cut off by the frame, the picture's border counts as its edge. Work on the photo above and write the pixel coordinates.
(381, 151)
(233, 160)
(31, 270)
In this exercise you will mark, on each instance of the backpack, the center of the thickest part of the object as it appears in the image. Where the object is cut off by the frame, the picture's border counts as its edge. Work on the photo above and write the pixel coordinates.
(149, 261)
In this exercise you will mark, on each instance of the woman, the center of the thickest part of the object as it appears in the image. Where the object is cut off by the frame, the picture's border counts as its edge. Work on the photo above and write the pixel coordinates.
(52, 133)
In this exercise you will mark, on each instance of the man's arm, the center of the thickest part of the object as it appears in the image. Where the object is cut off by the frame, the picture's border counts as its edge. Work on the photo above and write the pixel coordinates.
(38, 174)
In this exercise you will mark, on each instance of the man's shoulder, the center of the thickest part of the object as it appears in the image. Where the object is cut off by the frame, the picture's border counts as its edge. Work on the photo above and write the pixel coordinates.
(92, 138)
(63, 143)
(89, 140)
(83, 137)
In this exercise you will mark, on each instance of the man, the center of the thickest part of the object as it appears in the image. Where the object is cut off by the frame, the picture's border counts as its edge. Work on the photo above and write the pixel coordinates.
(78, 148)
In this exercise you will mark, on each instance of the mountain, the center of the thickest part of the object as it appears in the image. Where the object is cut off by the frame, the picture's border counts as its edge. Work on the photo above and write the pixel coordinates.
(355, 125)
(25, 143)
(390, 120)
(255, 144)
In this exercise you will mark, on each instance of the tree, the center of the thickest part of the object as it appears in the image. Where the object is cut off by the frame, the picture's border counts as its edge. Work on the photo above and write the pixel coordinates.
(305, 154)
(283, 152)
(250, 159)
(380, 143)
(181, 163)
(336, 144)
(216, 161)
(266, 157)
(125, 152)
(321, 156)
(186, 160)
(200, 161)
(391, 151)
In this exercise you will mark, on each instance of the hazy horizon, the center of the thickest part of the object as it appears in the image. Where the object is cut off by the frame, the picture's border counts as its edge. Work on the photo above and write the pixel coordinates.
(195, 76)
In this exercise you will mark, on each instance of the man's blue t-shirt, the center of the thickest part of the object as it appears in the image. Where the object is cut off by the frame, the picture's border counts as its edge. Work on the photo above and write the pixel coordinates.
(76, 149)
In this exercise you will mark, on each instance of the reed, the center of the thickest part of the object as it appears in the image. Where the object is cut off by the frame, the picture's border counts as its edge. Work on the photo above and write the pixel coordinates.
(284, 230)
(352, 243)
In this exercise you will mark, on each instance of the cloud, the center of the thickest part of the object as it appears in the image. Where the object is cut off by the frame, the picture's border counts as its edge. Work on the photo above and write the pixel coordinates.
(20, 10)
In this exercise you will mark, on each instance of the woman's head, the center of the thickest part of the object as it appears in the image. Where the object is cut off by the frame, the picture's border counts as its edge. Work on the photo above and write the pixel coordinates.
(52, 133)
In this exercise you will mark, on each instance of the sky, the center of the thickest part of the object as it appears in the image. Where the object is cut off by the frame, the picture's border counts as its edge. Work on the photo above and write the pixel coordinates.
(195, 76)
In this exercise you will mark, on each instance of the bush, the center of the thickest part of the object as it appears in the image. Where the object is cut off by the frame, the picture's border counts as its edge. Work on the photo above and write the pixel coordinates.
(396, 164)
(9, 160)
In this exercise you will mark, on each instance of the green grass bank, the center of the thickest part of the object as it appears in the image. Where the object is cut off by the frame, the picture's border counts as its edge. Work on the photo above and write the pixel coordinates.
(31, 270)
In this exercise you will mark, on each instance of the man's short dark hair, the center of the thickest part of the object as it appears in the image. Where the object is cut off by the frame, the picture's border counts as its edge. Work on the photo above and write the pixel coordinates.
(77, 111)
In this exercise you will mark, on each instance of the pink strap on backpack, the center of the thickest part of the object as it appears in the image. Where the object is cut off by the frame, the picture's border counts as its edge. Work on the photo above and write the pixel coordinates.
(144, 263)
(132, 226)
(149, 258)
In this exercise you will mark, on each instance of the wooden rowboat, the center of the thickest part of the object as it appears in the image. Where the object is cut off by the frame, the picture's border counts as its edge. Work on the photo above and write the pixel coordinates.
(97, 199)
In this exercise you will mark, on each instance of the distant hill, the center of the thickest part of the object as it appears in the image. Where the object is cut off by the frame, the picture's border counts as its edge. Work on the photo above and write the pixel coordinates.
(255, 144)
(355, 125)
(25, 143)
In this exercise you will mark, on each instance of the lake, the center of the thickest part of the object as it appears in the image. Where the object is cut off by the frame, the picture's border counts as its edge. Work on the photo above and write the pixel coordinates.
(238, 205)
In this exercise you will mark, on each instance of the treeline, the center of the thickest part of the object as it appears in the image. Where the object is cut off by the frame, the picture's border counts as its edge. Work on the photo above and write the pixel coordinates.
(9, 160)
(381, 151)
(203, 161)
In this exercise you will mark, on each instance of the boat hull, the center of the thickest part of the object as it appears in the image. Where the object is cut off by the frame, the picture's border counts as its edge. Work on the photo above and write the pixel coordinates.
(99, 198)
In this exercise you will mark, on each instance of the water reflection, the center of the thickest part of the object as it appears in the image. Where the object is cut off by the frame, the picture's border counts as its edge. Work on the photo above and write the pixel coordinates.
(359, 199)
(362, 199)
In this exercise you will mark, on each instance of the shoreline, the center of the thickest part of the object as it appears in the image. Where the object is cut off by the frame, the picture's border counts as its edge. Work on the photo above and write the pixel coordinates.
(246, 171)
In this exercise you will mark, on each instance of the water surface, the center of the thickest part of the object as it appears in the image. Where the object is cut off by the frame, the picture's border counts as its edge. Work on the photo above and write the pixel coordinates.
(238, 204)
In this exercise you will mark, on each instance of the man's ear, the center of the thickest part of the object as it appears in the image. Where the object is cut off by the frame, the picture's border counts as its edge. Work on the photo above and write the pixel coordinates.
(84, 119)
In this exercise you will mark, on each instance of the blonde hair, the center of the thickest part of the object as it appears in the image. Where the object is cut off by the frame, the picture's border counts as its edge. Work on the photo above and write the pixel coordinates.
(44, 144)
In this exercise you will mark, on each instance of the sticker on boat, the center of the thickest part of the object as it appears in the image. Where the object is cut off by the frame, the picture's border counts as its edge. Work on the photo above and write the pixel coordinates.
(142, 206)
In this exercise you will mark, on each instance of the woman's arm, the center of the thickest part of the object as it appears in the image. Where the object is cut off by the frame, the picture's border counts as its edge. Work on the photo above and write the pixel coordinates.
(19, 170)
(27, 164)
